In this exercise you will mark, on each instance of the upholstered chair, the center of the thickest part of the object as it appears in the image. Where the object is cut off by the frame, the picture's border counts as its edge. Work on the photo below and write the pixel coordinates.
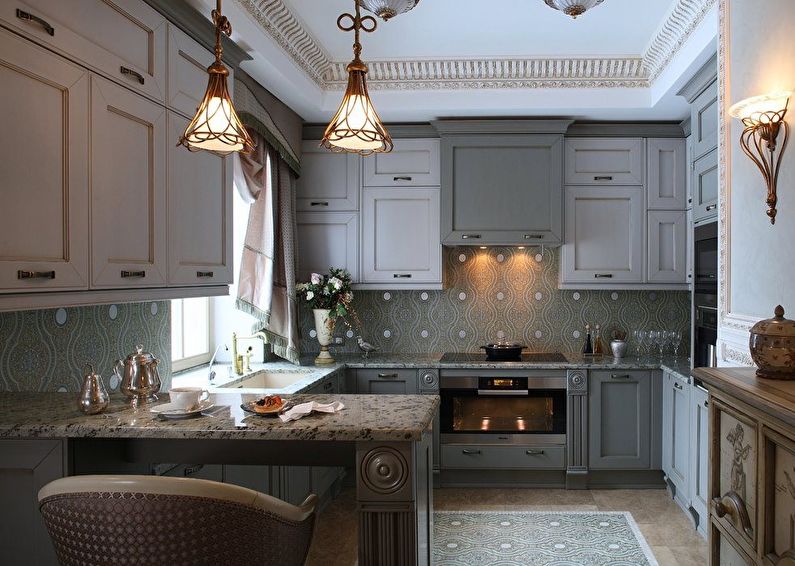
(149, 520)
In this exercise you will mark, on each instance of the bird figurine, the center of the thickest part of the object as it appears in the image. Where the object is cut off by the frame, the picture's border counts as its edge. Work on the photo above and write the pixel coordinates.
(365, 347)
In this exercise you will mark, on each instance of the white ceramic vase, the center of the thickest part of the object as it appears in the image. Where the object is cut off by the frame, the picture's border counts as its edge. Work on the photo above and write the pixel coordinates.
(325, 330)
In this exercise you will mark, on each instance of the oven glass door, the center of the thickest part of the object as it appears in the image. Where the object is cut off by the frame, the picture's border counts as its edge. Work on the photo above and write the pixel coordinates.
(537, 411)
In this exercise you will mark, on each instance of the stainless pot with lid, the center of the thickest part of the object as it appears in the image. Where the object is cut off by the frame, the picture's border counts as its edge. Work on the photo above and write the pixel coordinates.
(138, 374)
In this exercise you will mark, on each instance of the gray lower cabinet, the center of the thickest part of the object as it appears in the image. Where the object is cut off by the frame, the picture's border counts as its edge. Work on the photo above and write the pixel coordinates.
(478, 456)
(699, 455)
(676, 434)
(25, 467)
(386, 382)
(620, 420)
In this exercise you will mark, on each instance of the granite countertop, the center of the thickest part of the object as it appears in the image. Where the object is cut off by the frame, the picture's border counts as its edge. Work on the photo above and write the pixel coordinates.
(365, 418)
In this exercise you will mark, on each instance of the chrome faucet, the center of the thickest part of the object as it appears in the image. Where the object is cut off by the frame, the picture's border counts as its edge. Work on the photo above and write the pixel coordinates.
(237, 359)
(211, 371)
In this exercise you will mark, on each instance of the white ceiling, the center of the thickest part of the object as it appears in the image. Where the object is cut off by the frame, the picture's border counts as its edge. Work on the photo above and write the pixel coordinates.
(622, 60)
(489, 28)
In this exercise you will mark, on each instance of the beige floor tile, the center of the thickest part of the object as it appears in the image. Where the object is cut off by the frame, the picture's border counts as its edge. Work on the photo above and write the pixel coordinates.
(664, 556)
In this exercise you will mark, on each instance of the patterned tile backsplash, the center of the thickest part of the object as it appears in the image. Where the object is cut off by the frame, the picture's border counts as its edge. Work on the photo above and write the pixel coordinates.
(502, 293)
(46, 350)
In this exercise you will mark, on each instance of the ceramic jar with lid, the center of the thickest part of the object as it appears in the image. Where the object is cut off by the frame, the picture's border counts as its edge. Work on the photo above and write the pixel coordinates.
(772, 346)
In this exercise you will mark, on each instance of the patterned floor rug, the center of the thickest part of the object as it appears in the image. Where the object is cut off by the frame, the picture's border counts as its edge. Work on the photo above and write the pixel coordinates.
(588, 538)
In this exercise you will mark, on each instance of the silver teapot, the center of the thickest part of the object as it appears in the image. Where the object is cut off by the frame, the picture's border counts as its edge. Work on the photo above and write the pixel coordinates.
(138, 374)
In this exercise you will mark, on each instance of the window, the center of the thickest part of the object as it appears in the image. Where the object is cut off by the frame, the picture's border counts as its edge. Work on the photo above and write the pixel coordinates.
(190, 333)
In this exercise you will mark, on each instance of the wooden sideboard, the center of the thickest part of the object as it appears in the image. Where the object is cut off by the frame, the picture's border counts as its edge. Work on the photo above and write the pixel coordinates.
(752, 468)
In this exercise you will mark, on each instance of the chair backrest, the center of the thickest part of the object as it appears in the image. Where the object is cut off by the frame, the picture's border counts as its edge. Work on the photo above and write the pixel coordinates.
(148, 520)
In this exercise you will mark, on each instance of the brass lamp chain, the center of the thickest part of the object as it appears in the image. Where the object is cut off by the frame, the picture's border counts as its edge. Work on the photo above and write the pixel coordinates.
(358, 23)
(759, 142)
(222, 25)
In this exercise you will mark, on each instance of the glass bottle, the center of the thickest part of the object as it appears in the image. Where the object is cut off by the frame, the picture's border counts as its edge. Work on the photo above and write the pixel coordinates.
(587, 348)
(598, 347)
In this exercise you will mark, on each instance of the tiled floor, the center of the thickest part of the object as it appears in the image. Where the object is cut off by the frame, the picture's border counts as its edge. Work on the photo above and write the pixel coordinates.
(666, 528)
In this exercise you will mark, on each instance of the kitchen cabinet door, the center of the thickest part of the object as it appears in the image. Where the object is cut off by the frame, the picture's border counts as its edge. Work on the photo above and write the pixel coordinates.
(704, 121)
(199, 213)
(502, 189)
(123, 39)
(620, 416)
(25, 467)
(187, 72)
(699, 455)
(604, 161)
(677, 449)
(386, 381)
(128, 188)
(667, 174)
(604, 235)
(412, 163)
(667, 241)
(44, 169)
(327, 239)
(400, 236)
(705, 187)
(329, 181)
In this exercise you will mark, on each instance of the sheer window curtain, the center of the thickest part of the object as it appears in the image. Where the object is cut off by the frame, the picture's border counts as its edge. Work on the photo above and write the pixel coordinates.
(266, 287)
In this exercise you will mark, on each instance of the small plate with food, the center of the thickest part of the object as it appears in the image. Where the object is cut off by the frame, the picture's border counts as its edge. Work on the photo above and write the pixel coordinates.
(267, 406)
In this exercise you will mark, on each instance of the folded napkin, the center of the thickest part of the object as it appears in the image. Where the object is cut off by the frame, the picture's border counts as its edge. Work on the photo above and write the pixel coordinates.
(302, 410)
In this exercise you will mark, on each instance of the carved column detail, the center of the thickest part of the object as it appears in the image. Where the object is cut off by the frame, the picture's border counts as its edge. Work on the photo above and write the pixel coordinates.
(576, 428)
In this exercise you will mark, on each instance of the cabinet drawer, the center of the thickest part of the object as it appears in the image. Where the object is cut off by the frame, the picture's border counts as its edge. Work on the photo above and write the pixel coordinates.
(734, 468)
(778, 490)
(124, 39)
(411, 163)
(386, 381)
(725, 553)
(503, 457)
(604, 161)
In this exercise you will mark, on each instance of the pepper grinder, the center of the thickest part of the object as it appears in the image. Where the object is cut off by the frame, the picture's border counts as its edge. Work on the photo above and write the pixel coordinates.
(93, 396)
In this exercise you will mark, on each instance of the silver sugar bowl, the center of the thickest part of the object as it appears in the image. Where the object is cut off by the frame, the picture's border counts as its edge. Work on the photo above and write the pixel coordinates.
(94, 397)
(139, 377)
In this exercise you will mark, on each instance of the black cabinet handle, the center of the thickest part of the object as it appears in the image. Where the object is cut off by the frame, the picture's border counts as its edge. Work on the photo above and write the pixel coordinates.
(127, 274)
(620, 376)
(534, 452)
(23, 15)
(533, 236)
(711, 207)
(402, 275)
(135, 74)
(678, 386)
(388, 375)
(328, 386)
(603, 178)
(318, 203)
(470, 237)
(603, 275)
(35, 274)
(401, 178)
(204, 274)
(469, 452)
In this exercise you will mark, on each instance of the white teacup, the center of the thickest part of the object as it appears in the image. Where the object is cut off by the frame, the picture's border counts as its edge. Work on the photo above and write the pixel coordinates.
(187, 398)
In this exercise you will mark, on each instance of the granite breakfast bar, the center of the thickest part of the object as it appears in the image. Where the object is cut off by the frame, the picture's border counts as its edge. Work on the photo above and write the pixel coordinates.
(386, 439)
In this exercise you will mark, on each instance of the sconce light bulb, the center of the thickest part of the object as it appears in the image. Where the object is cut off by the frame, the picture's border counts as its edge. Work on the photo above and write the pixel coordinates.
(761, 109)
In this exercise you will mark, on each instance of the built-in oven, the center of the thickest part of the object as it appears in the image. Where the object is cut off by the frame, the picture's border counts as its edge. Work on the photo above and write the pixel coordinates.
(705, 258)
(502, 407)
(705, 329)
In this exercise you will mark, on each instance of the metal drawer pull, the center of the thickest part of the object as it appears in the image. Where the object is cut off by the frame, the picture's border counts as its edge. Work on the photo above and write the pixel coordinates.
(706, 276)
(328, 386)
(534, 452)
(125, 273)
(402, 275)
(603, 275)
(706, 404)
(679, 387)
(388, 375)
(190, 470)
(469, 452)
(620, 376)
(401, 178)
(132, 73)
(503, 392)
(711, 207)
(318, 203)
(204, 274)
(732, 505)
(35, 274)
(470, 237)
(533, 236)
(23, 15)
(603, 178)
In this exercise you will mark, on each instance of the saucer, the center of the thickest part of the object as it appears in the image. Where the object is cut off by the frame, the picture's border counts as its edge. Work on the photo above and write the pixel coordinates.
(169, 411)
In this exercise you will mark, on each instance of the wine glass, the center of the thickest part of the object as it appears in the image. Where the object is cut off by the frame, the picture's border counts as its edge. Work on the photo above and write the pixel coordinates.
(658, 338)
(676, 339)
(640, 338)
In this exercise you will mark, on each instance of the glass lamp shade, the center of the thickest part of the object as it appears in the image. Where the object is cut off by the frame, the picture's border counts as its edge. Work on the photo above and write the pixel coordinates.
(761, 109)
(573, 8)
(216, 127)
(386, 9)
(356, 127)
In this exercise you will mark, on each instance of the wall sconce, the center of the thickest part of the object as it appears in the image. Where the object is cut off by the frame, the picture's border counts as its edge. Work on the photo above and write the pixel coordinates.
(763, 118)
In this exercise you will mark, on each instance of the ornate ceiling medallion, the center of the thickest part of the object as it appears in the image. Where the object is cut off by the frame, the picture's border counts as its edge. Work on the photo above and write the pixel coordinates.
(573, 8)
(387, 9)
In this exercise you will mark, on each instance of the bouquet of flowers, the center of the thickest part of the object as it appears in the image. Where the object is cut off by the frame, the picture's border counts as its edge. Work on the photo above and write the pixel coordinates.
(332, 291)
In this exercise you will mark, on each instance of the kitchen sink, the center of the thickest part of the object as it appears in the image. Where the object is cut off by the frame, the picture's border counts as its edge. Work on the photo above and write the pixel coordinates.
(268, 380)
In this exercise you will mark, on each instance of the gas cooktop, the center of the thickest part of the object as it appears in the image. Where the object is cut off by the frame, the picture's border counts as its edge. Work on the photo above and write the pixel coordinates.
(535, 357)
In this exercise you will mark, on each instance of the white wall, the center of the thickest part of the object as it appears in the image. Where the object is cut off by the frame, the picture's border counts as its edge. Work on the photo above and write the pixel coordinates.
(760, 263)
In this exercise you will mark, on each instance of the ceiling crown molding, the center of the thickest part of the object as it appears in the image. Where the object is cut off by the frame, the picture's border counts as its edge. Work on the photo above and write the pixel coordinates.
(510, 73)
(684, 17)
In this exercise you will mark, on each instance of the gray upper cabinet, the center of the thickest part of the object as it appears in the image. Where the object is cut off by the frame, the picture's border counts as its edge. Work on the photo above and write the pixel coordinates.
(667, 174)
(329, 181)
(604, 235)
(667, 246)
(620, 432)
(412, 163)
(386, 382)
(705, 187)
(502, 189)
(704, 121)
(327, 239)
(604, 161)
